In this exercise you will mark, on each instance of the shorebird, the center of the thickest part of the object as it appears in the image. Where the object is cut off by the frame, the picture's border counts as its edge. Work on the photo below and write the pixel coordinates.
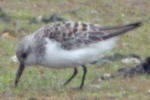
(68, 44)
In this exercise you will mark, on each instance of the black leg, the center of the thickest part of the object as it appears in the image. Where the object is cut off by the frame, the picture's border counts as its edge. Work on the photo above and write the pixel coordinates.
(73, 75)
(83, 77)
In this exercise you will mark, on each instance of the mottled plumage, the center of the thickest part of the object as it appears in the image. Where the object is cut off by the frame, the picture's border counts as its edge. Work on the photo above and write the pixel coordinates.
(68, 45)
(75, 35)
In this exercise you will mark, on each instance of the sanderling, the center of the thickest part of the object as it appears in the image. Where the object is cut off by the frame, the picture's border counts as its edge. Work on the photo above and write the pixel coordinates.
(68, 45)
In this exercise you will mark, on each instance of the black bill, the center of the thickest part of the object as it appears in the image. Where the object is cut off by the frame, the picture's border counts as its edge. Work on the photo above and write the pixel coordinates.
(19, 73)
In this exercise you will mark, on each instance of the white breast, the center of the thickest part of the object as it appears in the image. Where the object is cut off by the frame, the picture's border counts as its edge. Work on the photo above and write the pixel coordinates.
(56, 57)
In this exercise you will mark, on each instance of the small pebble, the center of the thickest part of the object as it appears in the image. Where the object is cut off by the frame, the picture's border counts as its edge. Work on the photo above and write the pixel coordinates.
(14, 59)
(130, 61)
(106, 77)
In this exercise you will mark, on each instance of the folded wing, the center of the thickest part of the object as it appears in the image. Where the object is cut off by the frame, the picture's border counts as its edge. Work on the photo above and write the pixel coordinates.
(73, 35)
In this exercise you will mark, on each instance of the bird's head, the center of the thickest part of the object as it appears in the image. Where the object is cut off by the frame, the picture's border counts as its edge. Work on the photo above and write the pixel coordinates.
(25, 56)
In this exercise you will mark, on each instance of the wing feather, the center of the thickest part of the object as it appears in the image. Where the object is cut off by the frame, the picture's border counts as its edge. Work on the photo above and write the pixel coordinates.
(72, 35)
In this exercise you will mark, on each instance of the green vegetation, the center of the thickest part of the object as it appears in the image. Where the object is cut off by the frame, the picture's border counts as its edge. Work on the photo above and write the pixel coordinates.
(39, 83)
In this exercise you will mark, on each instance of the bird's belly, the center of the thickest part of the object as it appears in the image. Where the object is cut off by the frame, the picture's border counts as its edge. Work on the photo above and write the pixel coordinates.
(59, 58)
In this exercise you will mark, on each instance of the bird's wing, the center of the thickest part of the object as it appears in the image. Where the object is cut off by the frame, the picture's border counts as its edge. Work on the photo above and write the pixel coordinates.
(73, 35)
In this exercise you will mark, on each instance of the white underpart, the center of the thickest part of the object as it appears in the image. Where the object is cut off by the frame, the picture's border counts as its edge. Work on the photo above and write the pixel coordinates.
(56, 57)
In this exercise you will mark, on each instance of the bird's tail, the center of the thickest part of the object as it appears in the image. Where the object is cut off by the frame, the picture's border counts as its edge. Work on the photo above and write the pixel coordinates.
(115, 31)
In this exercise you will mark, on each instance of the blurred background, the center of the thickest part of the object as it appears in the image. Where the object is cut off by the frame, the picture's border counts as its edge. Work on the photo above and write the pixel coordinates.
(19, 18)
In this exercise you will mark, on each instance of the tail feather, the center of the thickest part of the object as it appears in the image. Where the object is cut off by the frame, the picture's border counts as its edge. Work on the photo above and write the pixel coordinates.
(115, 31)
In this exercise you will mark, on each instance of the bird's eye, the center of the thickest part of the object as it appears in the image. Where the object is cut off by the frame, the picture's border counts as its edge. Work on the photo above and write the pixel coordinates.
(24, 55)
